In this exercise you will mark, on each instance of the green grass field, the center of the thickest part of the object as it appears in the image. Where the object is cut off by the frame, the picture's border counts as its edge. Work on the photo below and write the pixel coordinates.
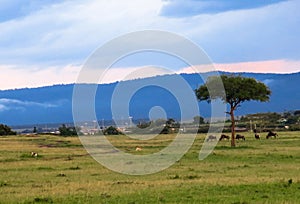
(256, 171)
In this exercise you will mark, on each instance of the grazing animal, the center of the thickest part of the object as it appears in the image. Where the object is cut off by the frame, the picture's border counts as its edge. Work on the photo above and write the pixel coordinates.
(257, 136)
(271, 134)
(34, 154)
(138, 149)
(211, 138)
(238, 136)
(224, 137)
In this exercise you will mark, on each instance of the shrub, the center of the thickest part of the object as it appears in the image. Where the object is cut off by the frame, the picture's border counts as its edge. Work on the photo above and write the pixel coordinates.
(112, 131)
(5, 130)
(67, 131)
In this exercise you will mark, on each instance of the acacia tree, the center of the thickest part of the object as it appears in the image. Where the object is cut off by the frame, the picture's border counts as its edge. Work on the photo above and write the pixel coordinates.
(237, 89)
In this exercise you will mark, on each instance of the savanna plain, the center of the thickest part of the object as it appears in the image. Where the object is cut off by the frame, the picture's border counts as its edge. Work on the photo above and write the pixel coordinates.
(255, 171)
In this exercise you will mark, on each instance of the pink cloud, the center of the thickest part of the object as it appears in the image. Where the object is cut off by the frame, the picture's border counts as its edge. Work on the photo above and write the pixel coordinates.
(271, 66)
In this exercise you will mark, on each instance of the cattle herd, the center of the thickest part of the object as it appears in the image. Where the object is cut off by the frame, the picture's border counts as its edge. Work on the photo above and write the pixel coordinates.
(211, 138)
(241, 137)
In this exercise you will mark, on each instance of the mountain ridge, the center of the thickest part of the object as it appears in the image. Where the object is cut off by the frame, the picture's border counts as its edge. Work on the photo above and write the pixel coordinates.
(53, 104)
(218, 71)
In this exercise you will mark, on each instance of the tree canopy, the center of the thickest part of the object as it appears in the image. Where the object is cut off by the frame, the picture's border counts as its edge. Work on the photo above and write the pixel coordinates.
(237, 89)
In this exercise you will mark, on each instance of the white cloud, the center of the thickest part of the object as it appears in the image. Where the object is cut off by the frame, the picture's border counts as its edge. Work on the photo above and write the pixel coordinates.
(7, 104)
(267, 33)
(43, 47)
(70, 31)
(13, 102)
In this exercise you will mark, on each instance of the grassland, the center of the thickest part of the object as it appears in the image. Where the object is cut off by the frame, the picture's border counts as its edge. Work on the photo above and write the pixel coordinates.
(256, 171)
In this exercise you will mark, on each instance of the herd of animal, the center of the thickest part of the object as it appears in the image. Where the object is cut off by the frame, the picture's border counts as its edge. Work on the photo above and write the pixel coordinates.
(241, 137)
(209, 138)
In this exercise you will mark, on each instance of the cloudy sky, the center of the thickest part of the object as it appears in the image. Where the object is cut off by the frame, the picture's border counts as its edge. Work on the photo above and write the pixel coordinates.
(47, 42)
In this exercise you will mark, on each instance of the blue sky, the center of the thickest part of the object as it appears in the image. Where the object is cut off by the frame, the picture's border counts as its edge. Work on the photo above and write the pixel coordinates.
(46, 42)
(14, 9)
(180, 8)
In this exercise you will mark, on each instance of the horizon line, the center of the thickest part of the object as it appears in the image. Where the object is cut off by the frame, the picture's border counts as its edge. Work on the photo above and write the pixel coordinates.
(139, 78)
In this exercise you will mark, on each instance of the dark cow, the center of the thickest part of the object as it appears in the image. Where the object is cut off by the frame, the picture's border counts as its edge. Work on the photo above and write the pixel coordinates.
(211, 138)
(238, 136)
(257, 136)
(271, 134)
(223, 137)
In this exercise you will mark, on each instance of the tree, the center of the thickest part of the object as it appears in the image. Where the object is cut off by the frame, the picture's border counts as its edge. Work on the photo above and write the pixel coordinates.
(198, 120)
(263, 118)
(171, 126)
(297, 112)
(143, 125)
(172, 123)
(160, 122)
(34, 130)
(6, 130)
(67, 131)
(237, 89)
(112, 131)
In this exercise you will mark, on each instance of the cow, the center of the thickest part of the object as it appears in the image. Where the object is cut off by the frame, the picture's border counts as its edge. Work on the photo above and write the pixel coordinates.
(238, 136)
(211, 138)
(138, 149)
(224, 137)
(271, 134)
(257, 136)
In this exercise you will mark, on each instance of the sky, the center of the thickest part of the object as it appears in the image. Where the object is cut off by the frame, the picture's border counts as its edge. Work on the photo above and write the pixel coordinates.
(47, 42)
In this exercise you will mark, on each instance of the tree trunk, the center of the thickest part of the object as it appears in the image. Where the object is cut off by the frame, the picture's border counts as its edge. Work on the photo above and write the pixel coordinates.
(232, 128)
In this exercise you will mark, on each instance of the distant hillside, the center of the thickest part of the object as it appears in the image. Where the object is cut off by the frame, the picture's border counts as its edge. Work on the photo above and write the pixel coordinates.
(53, 104)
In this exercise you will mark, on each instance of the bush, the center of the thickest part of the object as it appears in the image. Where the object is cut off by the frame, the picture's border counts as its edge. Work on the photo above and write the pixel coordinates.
(67, 131)
(294, 128)
(112, 131)
(203, 129)
(144, 125)
(5, 130)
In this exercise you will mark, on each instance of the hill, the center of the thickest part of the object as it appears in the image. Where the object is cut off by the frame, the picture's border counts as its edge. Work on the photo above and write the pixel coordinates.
(53, 104)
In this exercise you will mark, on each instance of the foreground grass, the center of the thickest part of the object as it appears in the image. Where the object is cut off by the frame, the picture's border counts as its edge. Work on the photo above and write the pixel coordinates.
(256, 171)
